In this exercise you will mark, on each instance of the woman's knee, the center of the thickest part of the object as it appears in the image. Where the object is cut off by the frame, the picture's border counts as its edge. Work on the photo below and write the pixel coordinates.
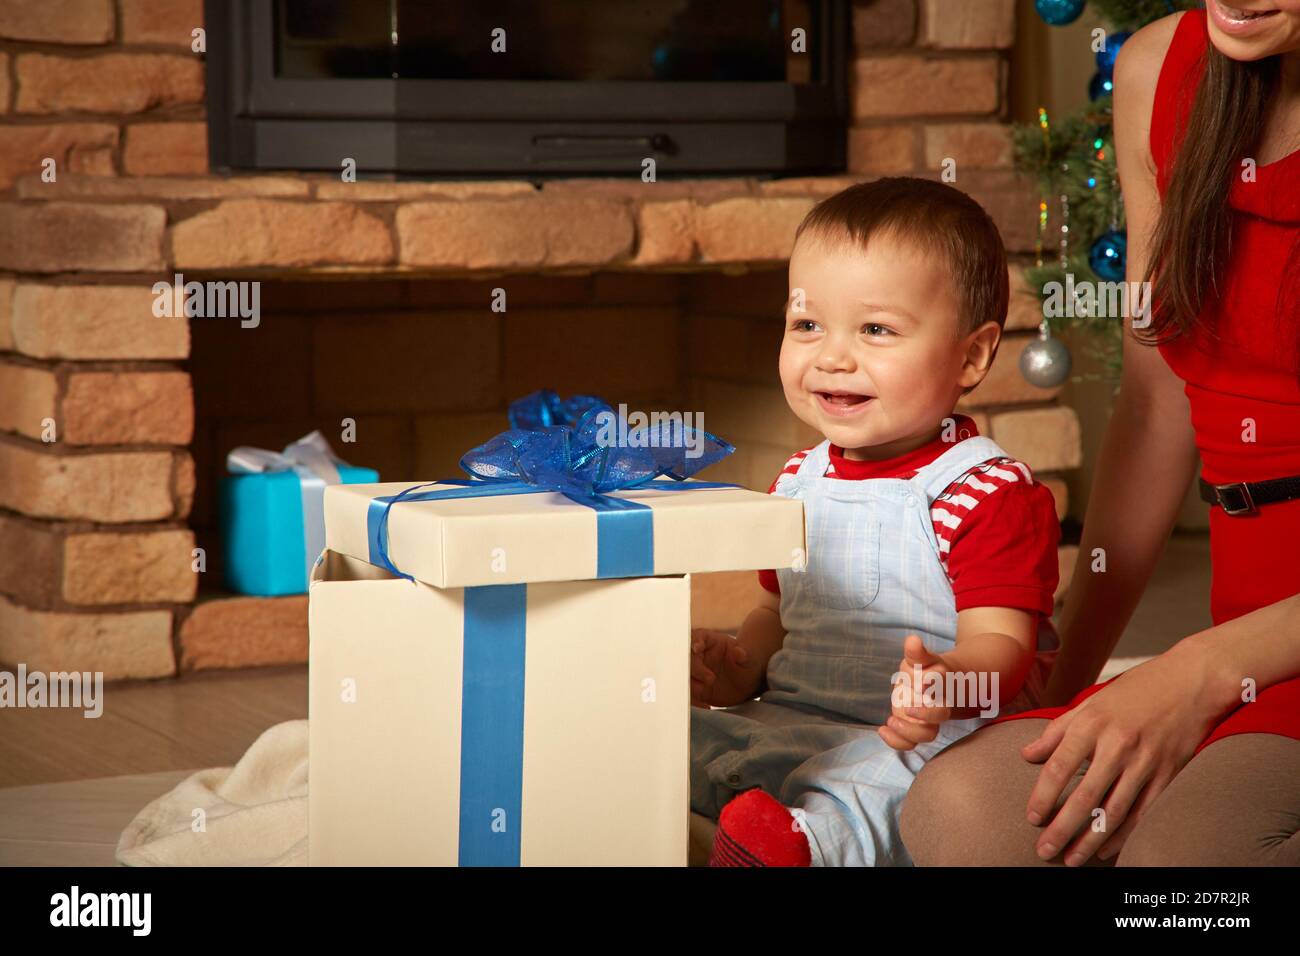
(1237, 803)
(963, 808)
(935, 814)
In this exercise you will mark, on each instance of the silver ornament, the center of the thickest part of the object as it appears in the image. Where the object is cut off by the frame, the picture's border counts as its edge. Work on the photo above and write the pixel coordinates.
(1045, 362)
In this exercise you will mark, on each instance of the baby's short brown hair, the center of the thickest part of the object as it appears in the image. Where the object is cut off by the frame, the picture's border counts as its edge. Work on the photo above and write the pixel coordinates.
(934, 217)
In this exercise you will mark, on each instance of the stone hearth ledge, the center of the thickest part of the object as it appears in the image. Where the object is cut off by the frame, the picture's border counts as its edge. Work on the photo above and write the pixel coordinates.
(277, 224)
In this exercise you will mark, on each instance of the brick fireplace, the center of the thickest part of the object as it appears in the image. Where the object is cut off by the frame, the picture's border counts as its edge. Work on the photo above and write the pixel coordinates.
(376, 307)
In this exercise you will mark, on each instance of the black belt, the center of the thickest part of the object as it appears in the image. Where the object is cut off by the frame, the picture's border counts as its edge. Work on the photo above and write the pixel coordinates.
(1245, 497)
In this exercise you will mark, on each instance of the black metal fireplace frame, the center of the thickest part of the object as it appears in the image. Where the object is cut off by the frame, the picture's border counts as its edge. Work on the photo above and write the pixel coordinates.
(533, 130)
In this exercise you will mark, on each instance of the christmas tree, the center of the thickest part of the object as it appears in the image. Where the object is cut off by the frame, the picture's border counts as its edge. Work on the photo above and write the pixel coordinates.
(1073, 160)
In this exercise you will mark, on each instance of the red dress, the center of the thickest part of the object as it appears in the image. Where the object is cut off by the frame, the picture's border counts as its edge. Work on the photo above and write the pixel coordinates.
(1251, 372)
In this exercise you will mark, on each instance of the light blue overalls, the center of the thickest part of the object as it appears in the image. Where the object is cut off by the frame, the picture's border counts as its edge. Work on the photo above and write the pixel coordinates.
(873, 576)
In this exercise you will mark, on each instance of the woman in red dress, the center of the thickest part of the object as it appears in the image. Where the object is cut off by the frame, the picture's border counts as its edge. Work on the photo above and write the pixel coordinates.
(1192, 758)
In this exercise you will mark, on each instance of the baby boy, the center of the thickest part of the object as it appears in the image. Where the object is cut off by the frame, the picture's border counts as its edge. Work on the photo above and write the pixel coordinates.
(931, 559)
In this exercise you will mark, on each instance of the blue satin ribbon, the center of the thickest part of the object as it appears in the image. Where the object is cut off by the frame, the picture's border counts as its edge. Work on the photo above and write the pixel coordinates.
(492, 725)
(624, 529)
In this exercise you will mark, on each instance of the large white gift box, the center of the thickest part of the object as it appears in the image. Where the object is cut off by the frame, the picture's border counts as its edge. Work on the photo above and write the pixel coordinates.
(502, 679)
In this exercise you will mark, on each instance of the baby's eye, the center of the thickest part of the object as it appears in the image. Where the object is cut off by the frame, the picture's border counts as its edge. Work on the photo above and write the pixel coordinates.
(803, 325)
(875, 329)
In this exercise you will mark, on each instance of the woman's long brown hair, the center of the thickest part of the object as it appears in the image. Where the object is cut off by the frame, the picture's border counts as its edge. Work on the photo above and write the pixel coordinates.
(1193, 235)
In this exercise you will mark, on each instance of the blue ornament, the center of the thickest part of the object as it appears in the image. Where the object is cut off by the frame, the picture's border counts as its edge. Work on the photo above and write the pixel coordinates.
(664, 61)
(1107, 54)
(1099, 86)
(1059, 12)
(1109, 255)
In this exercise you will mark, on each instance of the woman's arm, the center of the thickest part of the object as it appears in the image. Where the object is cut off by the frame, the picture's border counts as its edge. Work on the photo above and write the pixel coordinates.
(1262, 647)
(1148, 455)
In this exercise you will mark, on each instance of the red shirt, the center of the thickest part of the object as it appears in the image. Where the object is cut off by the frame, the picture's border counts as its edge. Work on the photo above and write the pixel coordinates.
(997, 527)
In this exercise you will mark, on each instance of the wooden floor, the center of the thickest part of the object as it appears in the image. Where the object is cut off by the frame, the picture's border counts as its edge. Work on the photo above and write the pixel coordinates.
(198, 720)
(74, 824)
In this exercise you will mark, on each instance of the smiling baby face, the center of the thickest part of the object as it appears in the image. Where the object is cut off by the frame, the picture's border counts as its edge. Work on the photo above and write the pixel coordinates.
(875, 360)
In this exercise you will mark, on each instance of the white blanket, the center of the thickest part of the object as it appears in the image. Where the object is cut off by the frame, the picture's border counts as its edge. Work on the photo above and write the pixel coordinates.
(252, 814)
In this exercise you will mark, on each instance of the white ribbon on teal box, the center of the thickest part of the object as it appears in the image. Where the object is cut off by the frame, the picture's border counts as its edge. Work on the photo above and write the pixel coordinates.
(272, 513)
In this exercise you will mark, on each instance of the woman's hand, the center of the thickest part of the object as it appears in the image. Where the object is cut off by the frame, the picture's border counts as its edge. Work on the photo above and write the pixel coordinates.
(1135, 734)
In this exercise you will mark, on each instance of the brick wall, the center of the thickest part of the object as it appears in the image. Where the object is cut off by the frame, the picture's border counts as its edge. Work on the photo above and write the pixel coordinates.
(681, 277)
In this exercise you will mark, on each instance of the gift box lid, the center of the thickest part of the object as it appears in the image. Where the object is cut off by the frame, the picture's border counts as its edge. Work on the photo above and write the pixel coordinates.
(462, 535)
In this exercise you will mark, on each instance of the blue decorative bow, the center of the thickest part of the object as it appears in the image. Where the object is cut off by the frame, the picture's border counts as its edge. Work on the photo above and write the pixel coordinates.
(544, 408)
(584, 462)
(595, 455)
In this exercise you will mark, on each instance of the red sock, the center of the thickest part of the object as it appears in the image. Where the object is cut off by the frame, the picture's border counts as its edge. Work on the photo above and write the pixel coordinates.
(755, 830)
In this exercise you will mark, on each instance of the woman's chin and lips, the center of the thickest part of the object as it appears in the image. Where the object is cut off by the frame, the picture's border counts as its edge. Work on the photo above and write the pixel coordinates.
(1253, 29)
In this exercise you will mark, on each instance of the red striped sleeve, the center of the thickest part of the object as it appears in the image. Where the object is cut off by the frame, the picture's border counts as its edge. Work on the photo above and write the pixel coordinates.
(968, 490)
(790, 467)
(767, 577)
(998, 535)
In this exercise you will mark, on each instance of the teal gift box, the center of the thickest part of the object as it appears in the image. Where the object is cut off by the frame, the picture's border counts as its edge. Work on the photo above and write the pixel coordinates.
(272, 513)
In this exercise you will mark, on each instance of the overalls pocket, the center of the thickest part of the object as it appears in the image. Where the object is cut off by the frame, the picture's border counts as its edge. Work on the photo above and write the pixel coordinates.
(844, 571)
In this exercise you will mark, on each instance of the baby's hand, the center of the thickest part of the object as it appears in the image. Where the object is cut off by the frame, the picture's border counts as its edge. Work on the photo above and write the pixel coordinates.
(911, 722)
(721, 673)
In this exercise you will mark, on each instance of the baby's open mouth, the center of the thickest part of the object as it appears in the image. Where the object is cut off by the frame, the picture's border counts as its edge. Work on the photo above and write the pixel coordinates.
(843, 398)
(841, 402)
